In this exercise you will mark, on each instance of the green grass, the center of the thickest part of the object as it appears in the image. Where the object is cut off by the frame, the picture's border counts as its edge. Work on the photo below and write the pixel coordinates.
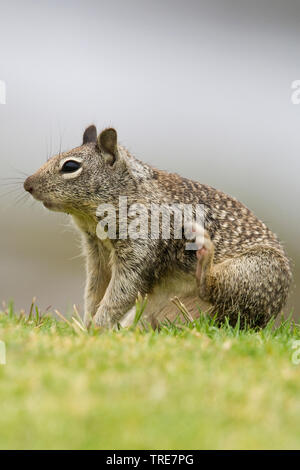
(190, 386)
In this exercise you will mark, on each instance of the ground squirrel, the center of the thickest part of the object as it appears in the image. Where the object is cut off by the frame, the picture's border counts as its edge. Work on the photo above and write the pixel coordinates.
(240, 268)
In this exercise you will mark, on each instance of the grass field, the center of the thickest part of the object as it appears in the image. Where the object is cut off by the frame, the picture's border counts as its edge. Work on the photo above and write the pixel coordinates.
(191, 386)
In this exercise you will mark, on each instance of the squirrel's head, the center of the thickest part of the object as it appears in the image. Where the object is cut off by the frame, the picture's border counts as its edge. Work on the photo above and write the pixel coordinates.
(79, 180)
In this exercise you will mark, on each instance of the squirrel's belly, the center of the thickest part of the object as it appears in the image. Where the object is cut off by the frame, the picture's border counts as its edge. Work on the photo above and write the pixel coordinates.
(160, 306)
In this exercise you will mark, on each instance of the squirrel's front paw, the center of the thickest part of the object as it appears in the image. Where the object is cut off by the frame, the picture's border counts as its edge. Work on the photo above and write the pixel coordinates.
(205, 248)
(204, 253)
(203, 242)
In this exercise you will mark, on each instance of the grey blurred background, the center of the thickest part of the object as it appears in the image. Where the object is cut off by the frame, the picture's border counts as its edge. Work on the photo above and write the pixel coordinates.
(202, 88)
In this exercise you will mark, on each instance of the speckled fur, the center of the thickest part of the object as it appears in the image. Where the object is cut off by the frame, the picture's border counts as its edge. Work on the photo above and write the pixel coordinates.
(243, 269)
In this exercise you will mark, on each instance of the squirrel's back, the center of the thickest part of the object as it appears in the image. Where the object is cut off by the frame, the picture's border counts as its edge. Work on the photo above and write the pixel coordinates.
(232, 226)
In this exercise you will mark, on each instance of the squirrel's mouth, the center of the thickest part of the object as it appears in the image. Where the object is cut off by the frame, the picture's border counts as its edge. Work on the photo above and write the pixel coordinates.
(52, 207)
(48, 205)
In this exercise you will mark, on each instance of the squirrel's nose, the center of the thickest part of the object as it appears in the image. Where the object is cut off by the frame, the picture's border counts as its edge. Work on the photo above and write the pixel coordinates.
(28, 185)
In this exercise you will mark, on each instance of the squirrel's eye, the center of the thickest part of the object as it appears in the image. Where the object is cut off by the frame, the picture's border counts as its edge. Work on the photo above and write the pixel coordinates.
(70, 166)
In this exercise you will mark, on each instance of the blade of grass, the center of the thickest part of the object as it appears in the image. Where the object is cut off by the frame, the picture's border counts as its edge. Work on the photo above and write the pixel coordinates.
(186, 314)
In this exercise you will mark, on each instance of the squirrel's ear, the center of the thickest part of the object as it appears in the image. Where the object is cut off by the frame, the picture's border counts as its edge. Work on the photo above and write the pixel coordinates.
(90, 135)
(107, 141)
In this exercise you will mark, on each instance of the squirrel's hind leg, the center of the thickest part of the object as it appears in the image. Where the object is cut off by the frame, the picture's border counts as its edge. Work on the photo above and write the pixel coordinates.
(253, 285)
